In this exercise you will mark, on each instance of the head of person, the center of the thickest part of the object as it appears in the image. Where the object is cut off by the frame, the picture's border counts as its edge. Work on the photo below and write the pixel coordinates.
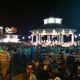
(36, 64)
(57, 78)
(29, 69)
(4, 48)
(14, 49)
(78, 59)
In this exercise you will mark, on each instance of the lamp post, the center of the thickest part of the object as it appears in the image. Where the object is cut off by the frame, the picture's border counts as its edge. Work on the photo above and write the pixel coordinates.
(29, 37)
(23, 38)
(79, 39)
(76, 36)
(76, 39)
(8, 36)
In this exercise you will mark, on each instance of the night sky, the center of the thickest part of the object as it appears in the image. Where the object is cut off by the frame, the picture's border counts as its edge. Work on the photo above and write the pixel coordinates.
(29, 14)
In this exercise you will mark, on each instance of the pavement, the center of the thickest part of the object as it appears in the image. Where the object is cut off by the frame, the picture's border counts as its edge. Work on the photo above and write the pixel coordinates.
(21, 76)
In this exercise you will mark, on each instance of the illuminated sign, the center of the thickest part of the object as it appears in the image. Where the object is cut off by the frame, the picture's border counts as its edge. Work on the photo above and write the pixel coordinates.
(10, 30)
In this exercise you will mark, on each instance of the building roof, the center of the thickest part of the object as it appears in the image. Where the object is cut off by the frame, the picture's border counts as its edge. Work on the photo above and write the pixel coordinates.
(53, 23)
(53, 26)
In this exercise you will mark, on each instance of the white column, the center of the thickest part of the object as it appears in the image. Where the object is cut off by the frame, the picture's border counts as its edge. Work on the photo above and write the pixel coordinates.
(40, 38)
(37, 38)
(48, 37)
(59, 39)
(62, 38)
(72, 38)
(32, 37)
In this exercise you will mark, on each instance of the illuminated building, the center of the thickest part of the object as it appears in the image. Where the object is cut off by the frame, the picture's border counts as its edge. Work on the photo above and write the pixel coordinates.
(53, 27)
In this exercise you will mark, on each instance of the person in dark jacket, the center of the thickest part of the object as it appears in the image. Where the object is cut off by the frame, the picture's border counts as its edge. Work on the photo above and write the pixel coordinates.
(15, 60)
(36, 70)
(75, 65)
(32, 51)
(78, 75)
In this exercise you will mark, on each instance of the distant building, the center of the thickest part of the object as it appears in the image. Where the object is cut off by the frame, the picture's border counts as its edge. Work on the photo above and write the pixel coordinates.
(8, 35)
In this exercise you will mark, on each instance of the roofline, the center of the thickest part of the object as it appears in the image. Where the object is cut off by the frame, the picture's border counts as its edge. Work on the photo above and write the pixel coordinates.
(52, 17)
(52, 29)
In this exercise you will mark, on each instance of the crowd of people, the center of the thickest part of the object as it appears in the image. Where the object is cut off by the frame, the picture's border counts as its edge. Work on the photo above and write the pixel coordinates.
(18, 58)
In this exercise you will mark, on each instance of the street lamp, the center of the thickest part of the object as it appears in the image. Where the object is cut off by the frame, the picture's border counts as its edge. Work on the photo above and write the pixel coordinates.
(29, 37)
(76, 36)
(8, 36)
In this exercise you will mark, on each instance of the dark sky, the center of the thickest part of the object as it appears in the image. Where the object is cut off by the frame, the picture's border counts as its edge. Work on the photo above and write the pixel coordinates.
(29, 14)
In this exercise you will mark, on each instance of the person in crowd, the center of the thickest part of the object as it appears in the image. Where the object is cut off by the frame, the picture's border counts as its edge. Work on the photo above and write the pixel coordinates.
(47, 68)
(24, 54)
(30, 74)
(5, 61)
(70, 60)
(76, 66)
(50, 58)
(55, 64)
(37, 53)
(57, 78)
(61, 64)
(67, 75)
(36, 69)
(32, 51)
(15, 60)
(46, 61)
(78, 75)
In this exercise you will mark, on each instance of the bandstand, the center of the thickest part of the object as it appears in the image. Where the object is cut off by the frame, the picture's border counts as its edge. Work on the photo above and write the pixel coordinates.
(52, 27)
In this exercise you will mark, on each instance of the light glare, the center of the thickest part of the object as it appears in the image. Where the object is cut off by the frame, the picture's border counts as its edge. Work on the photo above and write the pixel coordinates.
(43, 31)
(23, 37)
